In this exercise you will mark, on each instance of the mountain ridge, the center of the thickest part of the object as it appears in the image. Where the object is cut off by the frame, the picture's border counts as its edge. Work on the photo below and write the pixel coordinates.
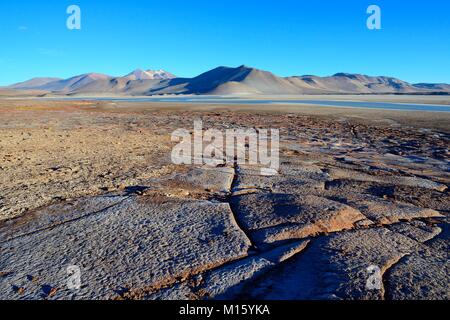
(228, 81)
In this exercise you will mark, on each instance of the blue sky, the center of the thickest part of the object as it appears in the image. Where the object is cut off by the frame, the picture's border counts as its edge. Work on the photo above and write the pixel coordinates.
(287, 37)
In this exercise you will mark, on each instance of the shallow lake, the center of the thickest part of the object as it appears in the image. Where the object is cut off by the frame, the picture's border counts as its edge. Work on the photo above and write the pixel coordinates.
(323, 103)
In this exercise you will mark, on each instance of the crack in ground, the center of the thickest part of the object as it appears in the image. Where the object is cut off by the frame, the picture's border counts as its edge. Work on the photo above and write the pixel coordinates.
(385, 272)
(233, 210)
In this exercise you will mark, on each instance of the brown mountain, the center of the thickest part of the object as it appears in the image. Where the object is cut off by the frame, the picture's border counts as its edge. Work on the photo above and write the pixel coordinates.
(228, 81)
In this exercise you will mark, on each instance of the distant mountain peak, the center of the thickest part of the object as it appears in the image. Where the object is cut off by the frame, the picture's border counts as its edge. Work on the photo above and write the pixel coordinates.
(347, 75)
(96, 76)
(140, 74)
(137, 73)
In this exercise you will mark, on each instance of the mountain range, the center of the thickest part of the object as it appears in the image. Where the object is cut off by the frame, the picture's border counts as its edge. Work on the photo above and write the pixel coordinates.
(242, 80)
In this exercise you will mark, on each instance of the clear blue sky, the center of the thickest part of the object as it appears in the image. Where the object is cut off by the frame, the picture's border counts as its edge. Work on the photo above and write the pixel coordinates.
(287, 37)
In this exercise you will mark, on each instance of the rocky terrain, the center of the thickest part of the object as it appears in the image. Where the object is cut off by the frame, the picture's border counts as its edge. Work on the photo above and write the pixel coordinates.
(91, 184)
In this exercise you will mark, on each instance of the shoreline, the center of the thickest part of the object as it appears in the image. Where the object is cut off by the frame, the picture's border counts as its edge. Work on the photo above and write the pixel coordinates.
(391, 98)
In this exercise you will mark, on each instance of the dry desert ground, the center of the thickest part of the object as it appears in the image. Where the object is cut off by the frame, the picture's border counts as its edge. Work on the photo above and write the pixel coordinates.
(91, 184)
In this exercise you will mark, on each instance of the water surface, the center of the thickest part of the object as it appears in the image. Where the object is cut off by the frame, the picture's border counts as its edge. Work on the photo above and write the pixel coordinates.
(322, 103)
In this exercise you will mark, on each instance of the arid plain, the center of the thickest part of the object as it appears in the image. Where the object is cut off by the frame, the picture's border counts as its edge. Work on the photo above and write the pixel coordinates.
(91, 184)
